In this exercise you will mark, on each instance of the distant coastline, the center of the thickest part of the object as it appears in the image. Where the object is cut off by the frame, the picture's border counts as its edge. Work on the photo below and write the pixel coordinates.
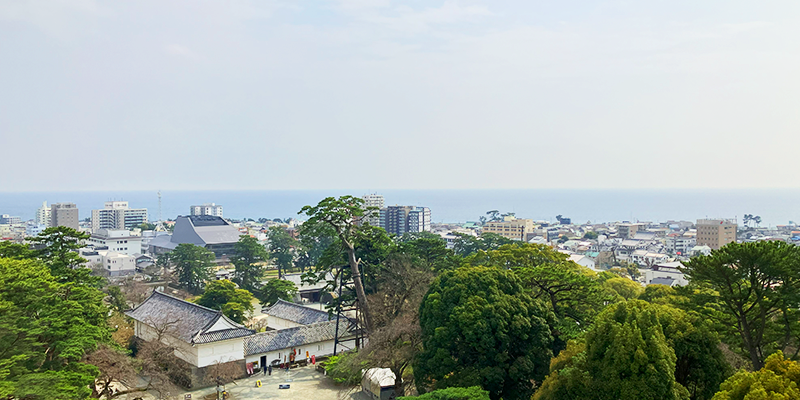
(775, 206)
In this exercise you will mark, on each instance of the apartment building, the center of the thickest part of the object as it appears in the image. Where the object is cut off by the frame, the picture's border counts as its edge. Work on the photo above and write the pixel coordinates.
(398, 220)
(511, 227)
(628, 231)
(6, 219)
(64, 214)
(716, 233)
(118, 215)
(373, 200)
(212, 209)
(43, 215)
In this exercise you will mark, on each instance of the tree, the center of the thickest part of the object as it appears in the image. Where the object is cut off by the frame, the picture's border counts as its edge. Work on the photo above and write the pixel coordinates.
(236, 304)
(429, 248)
(15, 250)
(626, 357)
(453, 393)
(479, 328)
(657, 294)
(117, 299)
(700, 365)
(590, 235)
(192, 265)
(249, 257)
(115, 369)
(344, 369)
(58, 248)
(778, 379)
(281, 248)
(341, 216)
(468, 244)
(146, 226)
(754, 290)
(494, 215)
(276, 289)
(397, 338)
(46, 327)
(572, 292)
(624, 288)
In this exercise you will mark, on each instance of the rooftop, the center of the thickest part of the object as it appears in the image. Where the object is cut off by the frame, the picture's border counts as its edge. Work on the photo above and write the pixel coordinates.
(187, 321)
(294, 337)
(296, 313)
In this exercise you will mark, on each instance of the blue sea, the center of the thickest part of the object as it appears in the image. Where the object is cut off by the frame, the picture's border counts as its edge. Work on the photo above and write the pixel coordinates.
(775, 206)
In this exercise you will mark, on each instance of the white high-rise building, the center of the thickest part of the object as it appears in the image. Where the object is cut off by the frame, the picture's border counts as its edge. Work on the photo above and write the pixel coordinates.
(206, 209)
(43, 215)
(117, 215)
(373, 200)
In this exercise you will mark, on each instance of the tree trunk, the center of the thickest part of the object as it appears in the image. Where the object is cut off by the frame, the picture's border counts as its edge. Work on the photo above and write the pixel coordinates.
(359, 285)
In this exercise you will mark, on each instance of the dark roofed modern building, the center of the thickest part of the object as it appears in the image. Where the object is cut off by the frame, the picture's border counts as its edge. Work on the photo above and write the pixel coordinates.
(211, 232)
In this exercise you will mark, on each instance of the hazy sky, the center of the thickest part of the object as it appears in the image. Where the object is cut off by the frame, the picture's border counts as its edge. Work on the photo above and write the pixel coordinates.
(380, 94)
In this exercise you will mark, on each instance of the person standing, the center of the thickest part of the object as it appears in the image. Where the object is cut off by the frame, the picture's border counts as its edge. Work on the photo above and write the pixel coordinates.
(265, 368)
(270, 370)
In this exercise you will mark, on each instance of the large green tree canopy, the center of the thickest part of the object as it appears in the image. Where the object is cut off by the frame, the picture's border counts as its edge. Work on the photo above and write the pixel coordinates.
(236, 304)
(571, 291)
(46, 327)
(779, 379)
(249, 257)
(625, 357)
(479, 328)
(192, 265)
(753, 291)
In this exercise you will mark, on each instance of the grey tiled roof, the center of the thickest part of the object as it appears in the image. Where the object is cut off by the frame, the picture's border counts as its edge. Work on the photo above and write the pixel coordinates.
(186, 321)
(294, 337)
(662, 281)
(224, 334)
(296, 313)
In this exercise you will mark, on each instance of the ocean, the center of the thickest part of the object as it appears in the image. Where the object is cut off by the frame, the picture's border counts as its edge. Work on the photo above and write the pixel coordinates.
(775, 206)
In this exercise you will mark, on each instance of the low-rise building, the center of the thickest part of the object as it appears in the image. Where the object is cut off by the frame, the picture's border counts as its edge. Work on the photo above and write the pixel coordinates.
(203, 337)
(118, 240)
(511, 227)
(716, 233)
(583, 261)
(111, 263)
(284, 314)
(213, 233)
(627, 230)
(662, 272)
(6, 219)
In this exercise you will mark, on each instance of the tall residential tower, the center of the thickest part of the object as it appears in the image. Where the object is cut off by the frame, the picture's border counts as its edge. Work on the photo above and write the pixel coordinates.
(117, 215)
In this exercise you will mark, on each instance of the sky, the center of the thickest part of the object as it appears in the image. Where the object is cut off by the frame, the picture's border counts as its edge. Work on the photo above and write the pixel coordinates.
(382, 94)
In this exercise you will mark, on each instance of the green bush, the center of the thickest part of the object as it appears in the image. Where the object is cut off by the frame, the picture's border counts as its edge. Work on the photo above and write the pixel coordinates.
(453, 393)
(343, 369)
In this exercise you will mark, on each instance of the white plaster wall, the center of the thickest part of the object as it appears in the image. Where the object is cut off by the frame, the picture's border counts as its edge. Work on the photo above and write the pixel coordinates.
(222, 351)
(280, 323)
(184, 351)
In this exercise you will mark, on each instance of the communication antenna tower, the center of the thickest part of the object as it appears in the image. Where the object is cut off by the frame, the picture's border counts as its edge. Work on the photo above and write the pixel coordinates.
(160, 224)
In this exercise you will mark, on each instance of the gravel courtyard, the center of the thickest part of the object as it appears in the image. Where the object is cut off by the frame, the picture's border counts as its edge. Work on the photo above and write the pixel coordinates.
(306, 383)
